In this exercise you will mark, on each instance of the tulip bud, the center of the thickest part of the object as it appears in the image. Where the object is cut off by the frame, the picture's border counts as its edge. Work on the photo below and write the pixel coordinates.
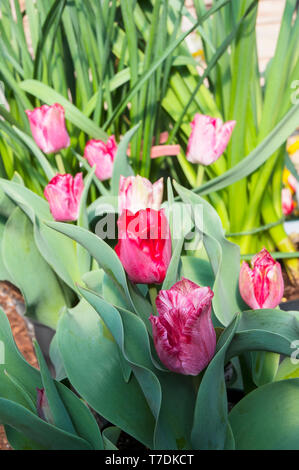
(47, 125)
(183, 332)
(102, 155)
(144, 245)
(43, 408)
(209, 139)
(288, 205)
(262, 286)
(63, 194)
(137, 193)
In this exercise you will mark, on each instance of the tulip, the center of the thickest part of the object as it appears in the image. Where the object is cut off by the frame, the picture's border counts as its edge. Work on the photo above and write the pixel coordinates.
(137, 193)
(63, 194)
(43, 408)
(288, 205)
(102, 155)
(209, 139)
(289, 180)
(262, 286)
(183, 332)
(47, 125)
(144, 245)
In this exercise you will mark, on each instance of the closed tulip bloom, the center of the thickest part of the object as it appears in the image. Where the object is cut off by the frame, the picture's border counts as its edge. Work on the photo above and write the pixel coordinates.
(288, 205)
(209, 139)
(262, 286)
(144, 245)
(47, 125)
(183, 332)
(137, 193)
(63, 194)
(102, 155)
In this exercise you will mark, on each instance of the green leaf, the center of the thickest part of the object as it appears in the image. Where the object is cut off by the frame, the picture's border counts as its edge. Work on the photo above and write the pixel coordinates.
(268, 418)
(210, 425)
(89, 350)
(43, 295)
(60, 416)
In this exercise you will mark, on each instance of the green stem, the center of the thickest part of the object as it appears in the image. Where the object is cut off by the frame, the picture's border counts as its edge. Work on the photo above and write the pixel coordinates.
(153, 295)
(60, 164)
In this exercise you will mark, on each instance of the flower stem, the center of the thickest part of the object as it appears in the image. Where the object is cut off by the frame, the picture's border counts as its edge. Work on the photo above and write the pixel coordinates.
(60, 164)
(153, 295)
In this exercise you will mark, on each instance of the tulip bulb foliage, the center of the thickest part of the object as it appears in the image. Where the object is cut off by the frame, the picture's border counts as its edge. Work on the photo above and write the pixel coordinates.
(154, 328)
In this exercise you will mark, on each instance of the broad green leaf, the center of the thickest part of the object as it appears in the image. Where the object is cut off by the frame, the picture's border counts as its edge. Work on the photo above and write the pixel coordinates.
(43, 295)
(89, 350)
(268, 418)
(210, 427)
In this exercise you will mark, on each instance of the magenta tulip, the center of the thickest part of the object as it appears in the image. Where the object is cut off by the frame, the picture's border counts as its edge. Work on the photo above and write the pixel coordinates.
(102, 155)
(209, 139)
(144, 245)
(183, 332)
(47, 125)
(63, 194)
(137, 193)
(262, 286)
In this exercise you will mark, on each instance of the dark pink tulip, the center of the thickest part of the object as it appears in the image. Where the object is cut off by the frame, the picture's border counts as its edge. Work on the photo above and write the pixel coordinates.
(209, 139)
(43, 408)
(144, 245)
(136, 193)
(102, 155)
(184, 335)
(63, 194)
(262, 286)
(47, 125)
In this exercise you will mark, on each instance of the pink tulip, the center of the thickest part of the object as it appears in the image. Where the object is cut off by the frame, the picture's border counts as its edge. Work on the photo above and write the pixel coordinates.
(63, 194)
(136, 193)
(262, 286)
(144, 245)
(183, 332)
(43, 408)
(47, 125)
(288, 205)
(102, 155)
(209, 139)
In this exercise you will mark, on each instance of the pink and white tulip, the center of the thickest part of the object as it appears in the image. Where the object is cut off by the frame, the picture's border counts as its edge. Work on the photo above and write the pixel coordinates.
(47, 125)
(144, 245)
(287, 202)
(262, 286)
(183, 332)
(209, 139)
(64, 194)
(137, 193)
(102, 155)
